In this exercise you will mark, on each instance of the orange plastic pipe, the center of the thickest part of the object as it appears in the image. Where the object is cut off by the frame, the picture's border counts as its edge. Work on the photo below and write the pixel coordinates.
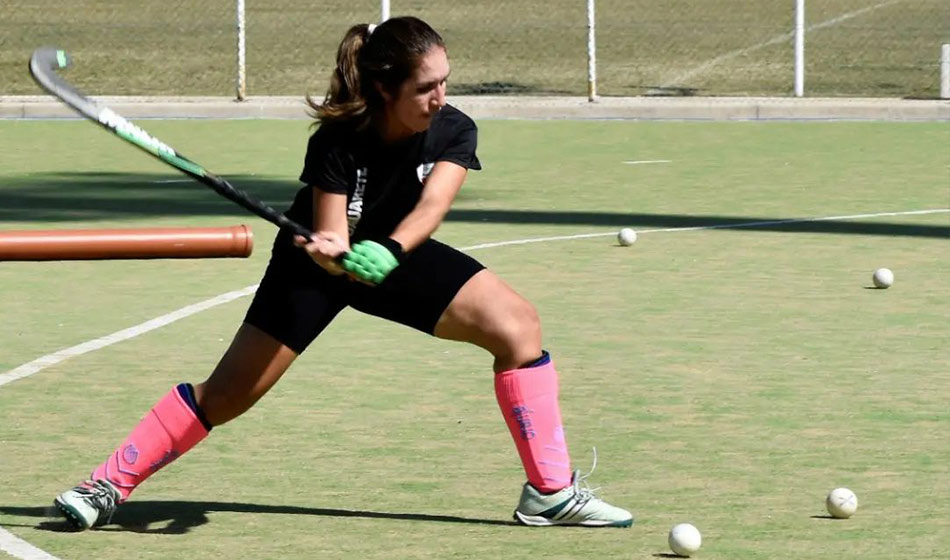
(148, 243)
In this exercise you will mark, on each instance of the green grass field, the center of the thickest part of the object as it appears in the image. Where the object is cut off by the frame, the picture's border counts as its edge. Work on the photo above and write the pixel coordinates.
(728, 377)
(884, 48)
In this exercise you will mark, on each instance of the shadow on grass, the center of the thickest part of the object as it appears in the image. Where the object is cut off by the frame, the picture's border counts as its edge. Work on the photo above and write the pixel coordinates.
(502, 88)
(669, 91)
(109, 196)
(664, 221)
(179, 517)
(52, 197)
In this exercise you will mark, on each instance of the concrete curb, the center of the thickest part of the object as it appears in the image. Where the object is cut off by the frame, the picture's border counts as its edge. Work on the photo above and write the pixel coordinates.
(519, 107)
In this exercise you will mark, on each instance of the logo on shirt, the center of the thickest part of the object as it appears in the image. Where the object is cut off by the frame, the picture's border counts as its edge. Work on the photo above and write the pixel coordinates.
(354, 211)
(423, 171)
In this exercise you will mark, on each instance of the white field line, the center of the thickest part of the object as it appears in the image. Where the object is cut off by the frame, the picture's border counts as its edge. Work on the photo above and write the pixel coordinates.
(682, 78)
(23, 550)
(19, 548)
(44, 362)
(638, 162)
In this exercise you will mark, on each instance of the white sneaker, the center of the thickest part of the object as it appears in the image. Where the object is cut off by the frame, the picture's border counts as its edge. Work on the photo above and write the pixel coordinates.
(574, 505)
(89, 504)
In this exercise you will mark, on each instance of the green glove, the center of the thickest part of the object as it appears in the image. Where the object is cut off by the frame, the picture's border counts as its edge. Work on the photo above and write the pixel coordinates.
(371, 261)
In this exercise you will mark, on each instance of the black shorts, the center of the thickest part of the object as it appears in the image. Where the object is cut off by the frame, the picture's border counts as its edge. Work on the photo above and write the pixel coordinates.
(297, 298)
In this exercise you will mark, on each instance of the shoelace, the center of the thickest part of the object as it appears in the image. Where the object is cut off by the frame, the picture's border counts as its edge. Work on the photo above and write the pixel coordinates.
(586, 493)
(98, 495)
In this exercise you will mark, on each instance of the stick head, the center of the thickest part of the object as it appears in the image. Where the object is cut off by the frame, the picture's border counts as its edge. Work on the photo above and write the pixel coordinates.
(43, 66)
(48, 59)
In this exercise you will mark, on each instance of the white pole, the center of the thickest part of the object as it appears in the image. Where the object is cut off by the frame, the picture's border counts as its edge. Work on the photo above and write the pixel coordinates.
(799, 48)
(383, 10)
(591, 54)
(945, 71)
(241, 62)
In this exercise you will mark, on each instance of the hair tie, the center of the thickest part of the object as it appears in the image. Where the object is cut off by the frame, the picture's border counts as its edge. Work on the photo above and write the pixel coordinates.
(370, 28)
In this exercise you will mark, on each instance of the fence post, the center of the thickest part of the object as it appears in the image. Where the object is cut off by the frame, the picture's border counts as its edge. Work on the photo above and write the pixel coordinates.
(591, 54)
(945, 71)
(799, 48)
(241, 62)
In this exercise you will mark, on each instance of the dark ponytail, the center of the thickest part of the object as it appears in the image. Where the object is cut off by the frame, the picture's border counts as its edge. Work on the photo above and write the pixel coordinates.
(386, 56)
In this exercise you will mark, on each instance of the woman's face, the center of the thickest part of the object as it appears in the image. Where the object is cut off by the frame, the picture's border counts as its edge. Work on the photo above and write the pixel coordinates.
(420, 96)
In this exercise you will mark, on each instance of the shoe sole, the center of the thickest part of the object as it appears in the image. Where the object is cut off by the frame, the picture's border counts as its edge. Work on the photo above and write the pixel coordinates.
(538, 521)
(71, 515)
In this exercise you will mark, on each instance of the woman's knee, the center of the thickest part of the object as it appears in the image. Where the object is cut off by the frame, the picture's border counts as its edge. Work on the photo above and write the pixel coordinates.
(521, 324)
(515, 335)
(488, 313)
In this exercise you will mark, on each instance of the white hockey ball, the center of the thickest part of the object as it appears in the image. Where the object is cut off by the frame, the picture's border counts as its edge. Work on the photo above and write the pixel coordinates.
(626, 237)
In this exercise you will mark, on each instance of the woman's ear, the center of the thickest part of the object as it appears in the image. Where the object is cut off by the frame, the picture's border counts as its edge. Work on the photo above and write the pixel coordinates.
(382, 92)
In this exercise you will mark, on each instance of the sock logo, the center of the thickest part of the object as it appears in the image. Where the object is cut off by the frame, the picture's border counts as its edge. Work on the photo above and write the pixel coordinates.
(130, 454)
(168, 457)
(523, 418)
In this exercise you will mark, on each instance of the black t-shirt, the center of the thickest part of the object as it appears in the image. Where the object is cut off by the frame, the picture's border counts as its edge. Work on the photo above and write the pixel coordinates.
(382, 182)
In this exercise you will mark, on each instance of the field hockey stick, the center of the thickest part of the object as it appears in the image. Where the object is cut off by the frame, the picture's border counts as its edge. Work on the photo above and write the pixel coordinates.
(43, 65)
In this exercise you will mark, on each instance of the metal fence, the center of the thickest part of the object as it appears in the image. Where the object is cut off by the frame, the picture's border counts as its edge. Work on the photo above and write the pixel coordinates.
(644, 47)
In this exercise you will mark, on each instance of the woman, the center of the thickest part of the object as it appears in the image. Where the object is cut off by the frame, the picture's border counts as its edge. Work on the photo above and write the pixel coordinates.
(381, 171)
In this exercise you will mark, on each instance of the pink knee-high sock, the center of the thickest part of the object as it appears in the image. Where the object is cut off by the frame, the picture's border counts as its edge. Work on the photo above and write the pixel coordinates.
(528, 398)
(169, 430)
